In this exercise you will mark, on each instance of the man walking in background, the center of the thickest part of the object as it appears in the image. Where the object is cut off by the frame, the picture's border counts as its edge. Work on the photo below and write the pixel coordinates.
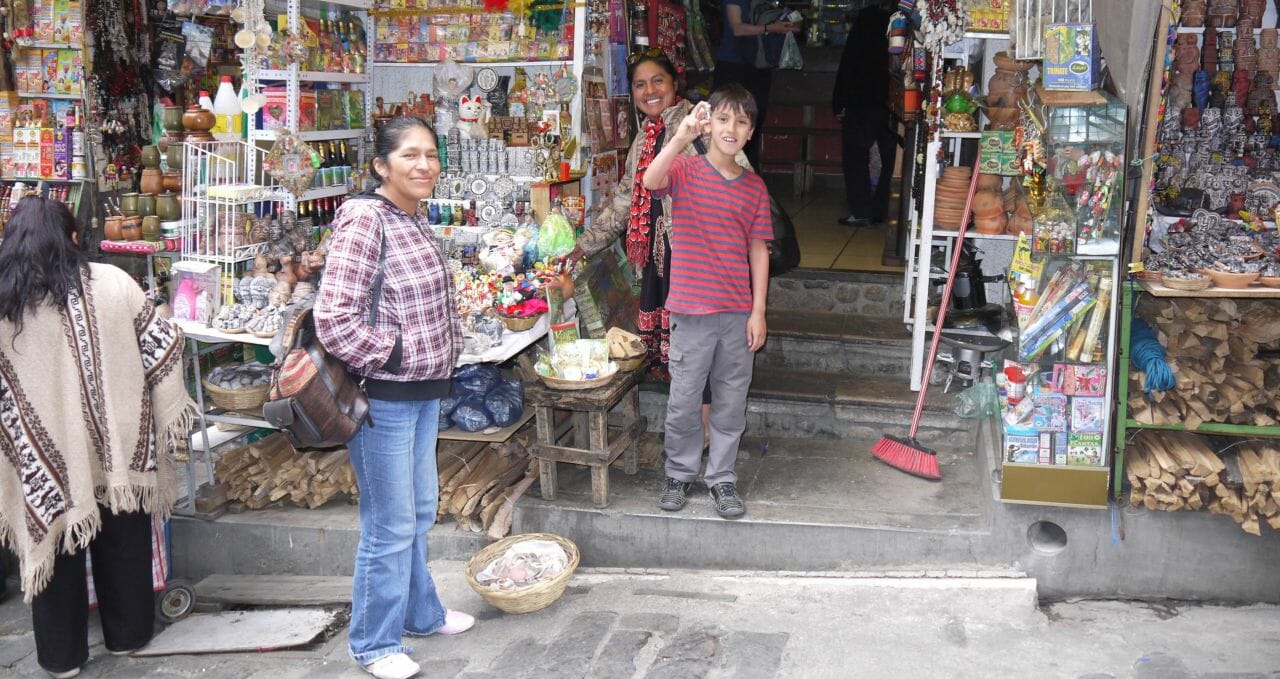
(860, 100)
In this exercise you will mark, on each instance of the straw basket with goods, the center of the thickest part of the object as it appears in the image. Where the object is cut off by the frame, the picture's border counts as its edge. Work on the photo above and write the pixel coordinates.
(625, 349)
(576, 385)
(528, 599)
(238, 387)
(519, 323)
(247, 399)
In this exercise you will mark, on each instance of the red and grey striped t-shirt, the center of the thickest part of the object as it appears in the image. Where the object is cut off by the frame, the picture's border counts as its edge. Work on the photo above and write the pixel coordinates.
(712, 223)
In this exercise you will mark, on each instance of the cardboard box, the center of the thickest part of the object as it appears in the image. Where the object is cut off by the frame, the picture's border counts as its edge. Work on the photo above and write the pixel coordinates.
(273, 112)
(306, 110)
(324, 109)
(61, 153)
(46, 152)
(355, 110)
(1072, 59)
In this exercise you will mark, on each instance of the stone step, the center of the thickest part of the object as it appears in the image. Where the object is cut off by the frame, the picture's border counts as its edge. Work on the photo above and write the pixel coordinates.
(792, 403)
(843, 292)
(837, 344)
(811, 506)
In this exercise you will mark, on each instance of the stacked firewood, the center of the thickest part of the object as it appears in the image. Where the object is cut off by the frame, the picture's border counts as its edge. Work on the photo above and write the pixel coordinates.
(479, 482)
(1173, 471)
(1213, 347)
(270, 470)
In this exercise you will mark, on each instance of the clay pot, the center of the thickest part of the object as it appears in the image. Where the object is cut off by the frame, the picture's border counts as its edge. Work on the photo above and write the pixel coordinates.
(146, 205)
(111, 227)
(151, 228)
(152, 181)
(173, 180)
(1002, 118)
(174, 156)
(990, 182)
(129, 204)
(1009, 83)
(131, 228)
(151, 156)
(171, 119)
(991, 224)
(197, 119)
(1018, 224)
(168, 208)
(986, 204)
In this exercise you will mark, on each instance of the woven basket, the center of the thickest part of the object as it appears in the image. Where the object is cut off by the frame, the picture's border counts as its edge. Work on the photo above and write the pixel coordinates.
(1187, 284)
(576, 385)
(526, 599)
(247, 399)
(631, 363)
(519, 323)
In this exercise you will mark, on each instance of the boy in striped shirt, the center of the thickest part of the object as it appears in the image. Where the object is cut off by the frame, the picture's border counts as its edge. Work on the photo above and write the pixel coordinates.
(719, 277)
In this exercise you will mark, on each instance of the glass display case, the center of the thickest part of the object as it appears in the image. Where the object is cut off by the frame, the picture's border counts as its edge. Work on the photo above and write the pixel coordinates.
(1084, 152)
(1058, 395)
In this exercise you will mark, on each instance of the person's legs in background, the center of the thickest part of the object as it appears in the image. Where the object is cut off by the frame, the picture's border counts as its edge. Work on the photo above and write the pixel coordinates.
(855, 157)
(887, 146)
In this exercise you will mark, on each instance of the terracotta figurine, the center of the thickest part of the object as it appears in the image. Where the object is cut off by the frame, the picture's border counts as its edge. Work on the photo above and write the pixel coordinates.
(1253, 10)
(1269, 53)
(1193, 12)
(1223, 13)
(1209, 53)
(1240, 87)
(1186, 55)
(1246, 48)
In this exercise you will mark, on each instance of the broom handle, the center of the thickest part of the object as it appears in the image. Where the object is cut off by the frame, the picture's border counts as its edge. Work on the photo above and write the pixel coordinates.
(946, 302)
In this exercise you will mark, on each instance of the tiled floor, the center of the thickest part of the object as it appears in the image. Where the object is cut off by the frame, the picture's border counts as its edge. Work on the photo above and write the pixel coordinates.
(824, 244)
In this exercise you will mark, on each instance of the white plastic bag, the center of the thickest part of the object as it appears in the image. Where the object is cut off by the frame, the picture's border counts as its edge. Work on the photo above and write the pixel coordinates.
(791, 54)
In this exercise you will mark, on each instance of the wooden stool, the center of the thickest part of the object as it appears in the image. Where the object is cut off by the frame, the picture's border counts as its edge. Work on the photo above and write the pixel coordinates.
(586, 433)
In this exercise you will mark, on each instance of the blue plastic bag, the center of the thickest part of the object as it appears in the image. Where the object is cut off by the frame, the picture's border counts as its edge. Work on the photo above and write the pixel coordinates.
(478, 378)
(505, 402)
(470, 414)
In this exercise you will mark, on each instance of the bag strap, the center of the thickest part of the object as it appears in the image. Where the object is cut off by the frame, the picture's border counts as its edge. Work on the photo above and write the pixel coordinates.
(378, 277)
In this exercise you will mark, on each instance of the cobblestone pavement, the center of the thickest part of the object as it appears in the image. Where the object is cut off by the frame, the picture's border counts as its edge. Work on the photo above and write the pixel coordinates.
(682, 625)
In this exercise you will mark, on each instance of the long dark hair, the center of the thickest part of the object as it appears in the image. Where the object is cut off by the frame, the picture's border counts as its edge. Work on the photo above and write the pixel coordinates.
(389, 137)
(39, 261)
(653, 56)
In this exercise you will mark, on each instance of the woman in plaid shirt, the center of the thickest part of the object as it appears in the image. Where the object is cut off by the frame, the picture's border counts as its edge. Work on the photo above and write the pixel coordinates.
(406, 358)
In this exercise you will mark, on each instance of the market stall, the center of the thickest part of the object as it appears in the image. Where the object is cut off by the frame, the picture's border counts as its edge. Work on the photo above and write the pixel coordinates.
(1197, 413)
(1028, 337)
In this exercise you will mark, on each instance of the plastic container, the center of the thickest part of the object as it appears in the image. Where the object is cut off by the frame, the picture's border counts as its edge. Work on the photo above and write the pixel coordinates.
(229, 124)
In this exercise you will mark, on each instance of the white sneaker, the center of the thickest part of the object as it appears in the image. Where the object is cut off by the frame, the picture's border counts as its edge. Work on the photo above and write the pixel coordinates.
(456, 622)
(66, 675)
(394, 666)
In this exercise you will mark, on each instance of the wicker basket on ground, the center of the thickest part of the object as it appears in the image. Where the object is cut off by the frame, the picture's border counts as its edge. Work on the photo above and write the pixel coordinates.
(526, 599)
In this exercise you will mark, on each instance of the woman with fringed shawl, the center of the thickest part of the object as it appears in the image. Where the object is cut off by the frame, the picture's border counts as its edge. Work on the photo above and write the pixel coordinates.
(91, 402)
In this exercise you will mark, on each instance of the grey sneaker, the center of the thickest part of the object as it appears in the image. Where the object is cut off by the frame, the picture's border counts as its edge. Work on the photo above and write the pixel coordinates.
(728, 504)
(672, 498)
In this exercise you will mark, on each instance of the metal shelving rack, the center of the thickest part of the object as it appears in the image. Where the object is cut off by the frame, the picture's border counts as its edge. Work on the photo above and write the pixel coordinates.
(293, 76)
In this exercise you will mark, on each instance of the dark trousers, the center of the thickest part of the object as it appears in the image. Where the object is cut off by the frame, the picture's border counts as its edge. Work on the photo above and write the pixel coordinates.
(861, 129)
(757, 81)
(122, 579)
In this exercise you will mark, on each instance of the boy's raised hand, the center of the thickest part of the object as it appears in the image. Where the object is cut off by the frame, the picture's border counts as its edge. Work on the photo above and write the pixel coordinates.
(695, 124)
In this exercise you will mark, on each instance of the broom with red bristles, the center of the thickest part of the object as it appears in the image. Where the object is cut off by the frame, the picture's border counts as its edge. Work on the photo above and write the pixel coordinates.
(907, 454)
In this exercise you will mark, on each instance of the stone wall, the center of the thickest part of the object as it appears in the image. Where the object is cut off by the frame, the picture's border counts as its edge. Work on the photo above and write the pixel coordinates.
(853, 294)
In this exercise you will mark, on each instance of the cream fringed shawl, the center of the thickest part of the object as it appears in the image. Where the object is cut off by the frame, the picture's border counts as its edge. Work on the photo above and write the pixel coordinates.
(92, 400)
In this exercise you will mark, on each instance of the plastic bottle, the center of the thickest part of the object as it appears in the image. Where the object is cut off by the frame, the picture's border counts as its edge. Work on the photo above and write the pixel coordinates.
(226, 107)
(205, 102)
(184, 300)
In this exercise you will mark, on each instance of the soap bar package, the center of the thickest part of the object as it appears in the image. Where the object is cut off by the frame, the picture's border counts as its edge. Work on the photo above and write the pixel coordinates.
(1072, 60)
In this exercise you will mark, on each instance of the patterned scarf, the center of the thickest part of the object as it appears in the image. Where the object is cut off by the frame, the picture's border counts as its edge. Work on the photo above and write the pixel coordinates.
(639, 226)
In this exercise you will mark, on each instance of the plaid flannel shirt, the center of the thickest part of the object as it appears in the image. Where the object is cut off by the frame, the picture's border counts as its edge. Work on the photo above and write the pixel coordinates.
(418, 301)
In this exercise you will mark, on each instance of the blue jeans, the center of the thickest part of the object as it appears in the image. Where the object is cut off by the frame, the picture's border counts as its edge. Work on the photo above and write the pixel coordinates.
(395, 464)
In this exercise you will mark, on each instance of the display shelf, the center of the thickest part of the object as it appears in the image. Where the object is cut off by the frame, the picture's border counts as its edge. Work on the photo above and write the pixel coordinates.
(51, 45)
(49, 95)
(976, 236)
(203, 333)
(353, 4)
(314, 76)
(1223, 428)
(984, 35)
(43, 179)
(237, 419)
(499, 436)
(961, 135)
(311, 135)
(512, 344)
(1199, 30)
(324, 192)
(523, 64)
(1257, 292)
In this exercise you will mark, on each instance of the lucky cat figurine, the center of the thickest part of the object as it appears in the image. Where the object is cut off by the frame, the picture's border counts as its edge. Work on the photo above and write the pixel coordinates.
(473, 117)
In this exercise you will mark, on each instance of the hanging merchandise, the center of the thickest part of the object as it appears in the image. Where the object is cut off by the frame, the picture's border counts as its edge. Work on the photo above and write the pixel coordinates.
(292, 163)
(118, 117)
(942, 22)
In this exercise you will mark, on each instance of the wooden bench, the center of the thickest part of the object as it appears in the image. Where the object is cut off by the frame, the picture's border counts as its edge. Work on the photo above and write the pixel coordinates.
(587, 436)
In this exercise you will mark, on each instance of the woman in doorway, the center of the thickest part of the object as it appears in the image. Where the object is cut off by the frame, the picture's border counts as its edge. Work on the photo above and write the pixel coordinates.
(405, 357)
(92, 401)
(738, 61)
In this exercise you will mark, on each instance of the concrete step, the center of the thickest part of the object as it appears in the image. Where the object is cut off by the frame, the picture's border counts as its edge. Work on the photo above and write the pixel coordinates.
(791, 403)
(811, 505)
(837, 344)
(842, 292)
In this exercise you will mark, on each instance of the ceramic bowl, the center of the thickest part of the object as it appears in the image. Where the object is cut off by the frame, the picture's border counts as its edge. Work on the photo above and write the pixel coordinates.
(1270, 281)
(1233, 281)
